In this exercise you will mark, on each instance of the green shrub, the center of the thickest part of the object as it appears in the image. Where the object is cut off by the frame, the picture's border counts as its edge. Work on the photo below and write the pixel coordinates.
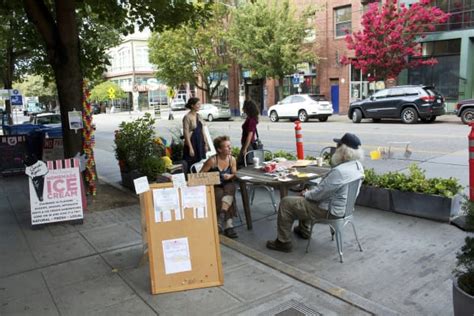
(151, 167)
(414, 181)
(465, 266)
(135, 141)
(283, 154)
(235, 152)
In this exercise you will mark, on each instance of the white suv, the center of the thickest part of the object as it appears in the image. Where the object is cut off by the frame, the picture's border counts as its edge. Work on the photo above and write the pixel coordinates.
(301, 107)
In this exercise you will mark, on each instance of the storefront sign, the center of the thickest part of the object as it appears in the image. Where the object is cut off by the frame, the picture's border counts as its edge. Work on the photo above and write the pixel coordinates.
(56, 192)
(53, 149)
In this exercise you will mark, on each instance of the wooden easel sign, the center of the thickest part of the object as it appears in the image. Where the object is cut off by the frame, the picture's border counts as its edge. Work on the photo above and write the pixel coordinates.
(183, 242)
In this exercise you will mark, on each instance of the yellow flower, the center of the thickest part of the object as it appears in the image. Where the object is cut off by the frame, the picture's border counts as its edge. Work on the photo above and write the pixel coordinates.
(167, 160)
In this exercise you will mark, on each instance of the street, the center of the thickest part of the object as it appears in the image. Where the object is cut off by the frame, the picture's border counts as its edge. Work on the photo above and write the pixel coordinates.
(439, 147)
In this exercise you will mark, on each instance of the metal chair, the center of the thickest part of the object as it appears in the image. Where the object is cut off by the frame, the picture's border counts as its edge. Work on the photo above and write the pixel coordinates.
(196, 167)
(260, 153)
(329, 150)
(337, 224)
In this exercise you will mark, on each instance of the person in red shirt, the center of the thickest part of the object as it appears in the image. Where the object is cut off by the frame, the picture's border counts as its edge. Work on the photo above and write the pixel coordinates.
(249, 131)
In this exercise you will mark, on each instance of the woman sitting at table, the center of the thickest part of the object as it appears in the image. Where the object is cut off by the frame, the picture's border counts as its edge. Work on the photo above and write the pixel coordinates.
(226, 165)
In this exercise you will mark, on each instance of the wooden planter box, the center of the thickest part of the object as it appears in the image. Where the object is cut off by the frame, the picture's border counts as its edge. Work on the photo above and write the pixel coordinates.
(432, 207)
(378, 198)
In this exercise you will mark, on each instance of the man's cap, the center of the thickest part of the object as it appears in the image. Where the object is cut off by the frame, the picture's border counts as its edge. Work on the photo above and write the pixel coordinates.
(349, 140)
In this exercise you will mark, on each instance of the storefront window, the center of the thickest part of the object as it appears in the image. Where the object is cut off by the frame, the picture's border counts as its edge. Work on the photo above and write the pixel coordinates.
(445, 74)
(307, 86)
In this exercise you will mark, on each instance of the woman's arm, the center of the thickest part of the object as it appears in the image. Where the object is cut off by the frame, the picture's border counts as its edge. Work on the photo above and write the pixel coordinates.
(187, 134)
(206, 145)
(247, 143)
(207, 165)
(233, 170)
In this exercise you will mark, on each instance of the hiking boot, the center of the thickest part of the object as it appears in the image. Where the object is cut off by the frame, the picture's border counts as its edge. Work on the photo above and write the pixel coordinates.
(303, 234)
(279, 246)
(230, 232)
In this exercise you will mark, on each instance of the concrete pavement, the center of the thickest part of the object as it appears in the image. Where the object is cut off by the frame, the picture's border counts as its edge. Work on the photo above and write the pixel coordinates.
(92, 268)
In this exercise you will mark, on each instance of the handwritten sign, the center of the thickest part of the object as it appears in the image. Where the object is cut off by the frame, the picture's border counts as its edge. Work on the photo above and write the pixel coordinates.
(205, 178)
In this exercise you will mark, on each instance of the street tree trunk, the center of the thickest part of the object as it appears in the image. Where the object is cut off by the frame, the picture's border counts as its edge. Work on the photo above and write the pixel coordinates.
(61, 38)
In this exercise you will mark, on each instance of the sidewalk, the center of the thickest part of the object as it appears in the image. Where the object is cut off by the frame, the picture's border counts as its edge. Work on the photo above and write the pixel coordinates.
(91, 269)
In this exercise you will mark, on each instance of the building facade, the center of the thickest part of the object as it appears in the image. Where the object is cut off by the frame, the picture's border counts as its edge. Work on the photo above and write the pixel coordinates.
(132, 71)
(452, 44)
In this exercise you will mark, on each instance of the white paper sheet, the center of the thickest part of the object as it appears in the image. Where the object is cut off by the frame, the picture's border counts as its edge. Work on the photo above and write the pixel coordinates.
(141, 185)
(176, 255)
(165, 200)
(166, 216)
(194, 197)
(177, 215)
(200, 212)
(179, 181)
(246, 178)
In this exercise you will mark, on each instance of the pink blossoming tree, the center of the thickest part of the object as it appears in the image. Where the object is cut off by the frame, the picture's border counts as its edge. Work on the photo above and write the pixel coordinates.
(388, 41)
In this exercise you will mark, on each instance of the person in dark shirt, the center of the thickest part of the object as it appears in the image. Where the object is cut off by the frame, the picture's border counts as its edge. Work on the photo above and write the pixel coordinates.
(249, 131)
(226, 165)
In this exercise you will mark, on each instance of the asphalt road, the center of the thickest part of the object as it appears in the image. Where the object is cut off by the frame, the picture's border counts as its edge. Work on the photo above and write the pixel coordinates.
(439, 147)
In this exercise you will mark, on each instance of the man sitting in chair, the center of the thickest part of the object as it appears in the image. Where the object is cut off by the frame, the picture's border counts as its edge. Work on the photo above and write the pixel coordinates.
(327, 200)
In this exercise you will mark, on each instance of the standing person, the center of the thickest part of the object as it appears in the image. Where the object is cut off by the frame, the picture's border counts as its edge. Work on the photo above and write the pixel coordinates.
(249, 130)
(195, 145)
(226, 165)
(327, 200)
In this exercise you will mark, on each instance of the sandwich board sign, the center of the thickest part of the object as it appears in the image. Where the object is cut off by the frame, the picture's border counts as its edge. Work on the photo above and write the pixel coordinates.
(182, 238)
(56, 191)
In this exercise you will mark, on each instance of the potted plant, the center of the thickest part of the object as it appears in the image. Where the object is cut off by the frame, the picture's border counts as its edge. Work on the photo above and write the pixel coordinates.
(463, 283)
(412, 194)
(138, 151)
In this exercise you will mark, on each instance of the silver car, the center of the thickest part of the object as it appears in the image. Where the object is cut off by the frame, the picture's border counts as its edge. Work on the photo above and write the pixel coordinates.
(211, 112)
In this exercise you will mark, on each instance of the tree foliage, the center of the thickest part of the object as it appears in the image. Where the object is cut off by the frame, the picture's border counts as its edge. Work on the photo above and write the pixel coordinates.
(267, 37)
(388, 41)
(63, 28)
(192, 53)
(100, 92)
(35, 85)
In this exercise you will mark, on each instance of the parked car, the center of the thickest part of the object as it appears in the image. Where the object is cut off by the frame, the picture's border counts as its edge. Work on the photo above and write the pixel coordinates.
(465, 110)
(214, 111)
(46, 119)
(408, 103)
(301, 107)
(177, 104)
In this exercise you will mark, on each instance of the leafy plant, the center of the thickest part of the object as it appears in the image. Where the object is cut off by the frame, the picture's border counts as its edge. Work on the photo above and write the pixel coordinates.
(235, 151)
(135, 142)
(465, 266)
(414, 181)
(152, 166)
(283, 154)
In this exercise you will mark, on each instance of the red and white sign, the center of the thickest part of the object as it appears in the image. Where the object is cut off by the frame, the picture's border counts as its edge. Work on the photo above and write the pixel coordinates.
(53, 149)
(56, 191)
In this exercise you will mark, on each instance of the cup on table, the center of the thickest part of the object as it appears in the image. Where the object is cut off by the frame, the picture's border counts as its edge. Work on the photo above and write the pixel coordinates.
(256, 162)
(319, 161)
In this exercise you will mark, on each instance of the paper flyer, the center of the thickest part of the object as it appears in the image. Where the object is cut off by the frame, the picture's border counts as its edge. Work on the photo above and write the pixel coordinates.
(176, 255)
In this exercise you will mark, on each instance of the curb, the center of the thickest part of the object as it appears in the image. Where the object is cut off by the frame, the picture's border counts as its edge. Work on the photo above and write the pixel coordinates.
(309, 279)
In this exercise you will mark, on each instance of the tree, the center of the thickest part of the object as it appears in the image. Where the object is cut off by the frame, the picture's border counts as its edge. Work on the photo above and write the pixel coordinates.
(388, 41)
(192, 53)
(37, 86)
(58, 23)
(268, 37)
(101, 92)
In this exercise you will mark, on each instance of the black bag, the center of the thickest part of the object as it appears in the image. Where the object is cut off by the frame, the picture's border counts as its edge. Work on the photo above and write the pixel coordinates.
(257, 144)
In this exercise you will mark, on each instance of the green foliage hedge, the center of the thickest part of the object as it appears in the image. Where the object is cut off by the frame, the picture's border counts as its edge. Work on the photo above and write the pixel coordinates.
(414, 181)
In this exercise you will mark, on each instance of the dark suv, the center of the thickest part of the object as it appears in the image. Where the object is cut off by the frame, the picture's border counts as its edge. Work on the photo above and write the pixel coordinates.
(465, 110)
(405, 102)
